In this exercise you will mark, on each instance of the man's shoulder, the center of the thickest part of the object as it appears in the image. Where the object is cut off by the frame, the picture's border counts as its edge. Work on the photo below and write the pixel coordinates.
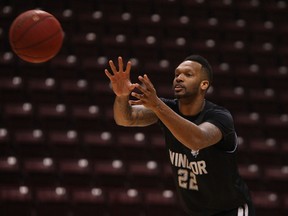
(210, 106)
(212, 109)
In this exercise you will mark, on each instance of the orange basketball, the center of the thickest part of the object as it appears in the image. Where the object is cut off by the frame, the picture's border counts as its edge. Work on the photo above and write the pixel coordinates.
(36, 36)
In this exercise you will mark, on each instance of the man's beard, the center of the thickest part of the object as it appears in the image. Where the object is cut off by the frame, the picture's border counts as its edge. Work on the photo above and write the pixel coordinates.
(192, 94)
(184, 96)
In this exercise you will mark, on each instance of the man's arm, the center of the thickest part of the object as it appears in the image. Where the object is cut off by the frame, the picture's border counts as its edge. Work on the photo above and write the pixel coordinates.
(124, 113)
(189, 134)
(127, 115)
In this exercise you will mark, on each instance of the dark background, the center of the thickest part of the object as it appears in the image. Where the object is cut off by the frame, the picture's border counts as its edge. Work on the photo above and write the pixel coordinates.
(60, 150)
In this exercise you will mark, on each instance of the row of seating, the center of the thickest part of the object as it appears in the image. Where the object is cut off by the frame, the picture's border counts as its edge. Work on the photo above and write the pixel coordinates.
(33, 114)
(59, 200)
(128, 169)
(155, 24)
(166, 7)
(79, 101)
(77, 67)
(28, 117)
(87, 200)
(267, 84)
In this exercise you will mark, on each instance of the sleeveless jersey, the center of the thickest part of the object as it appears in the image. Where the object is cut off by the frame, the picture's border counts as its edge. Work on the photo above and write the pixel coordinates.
(207, 181)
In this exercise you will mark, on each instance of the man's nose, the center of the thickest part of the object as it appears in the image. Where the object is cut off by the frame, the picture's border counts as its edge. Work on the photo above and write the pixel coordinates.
(179, 78)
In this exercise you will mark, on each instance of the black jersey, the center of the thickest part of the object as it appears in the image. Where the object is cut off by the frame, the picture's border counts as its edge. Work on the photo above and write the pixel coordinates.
(207, 181)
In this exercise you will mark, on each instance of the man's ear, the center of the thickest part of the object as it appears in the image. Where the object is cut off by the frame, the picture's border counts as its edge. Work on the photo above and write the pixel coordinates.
(204, 85)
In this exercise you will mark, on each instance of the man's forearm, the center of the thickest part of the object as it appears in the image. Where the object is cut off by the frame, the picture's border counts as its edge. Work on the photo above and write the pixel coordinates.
(185, 131)
(122, 110)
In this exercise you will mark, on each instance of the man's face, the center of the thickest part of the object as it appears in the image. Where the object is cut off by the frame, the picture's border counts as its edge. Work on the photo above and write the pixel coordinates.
(187, 79)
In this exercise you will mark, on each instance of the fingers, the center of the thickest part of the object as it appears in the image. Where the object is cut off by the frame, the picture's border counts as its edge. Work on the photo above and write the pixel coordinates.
(108, 74)
(132, 86)
(146, 87)
(146, 81)
(121, 68)
(128, 68)
(135, 102)
(112, 66)
(147, 92)
(120, 65)
(136, 95)
(141, 88)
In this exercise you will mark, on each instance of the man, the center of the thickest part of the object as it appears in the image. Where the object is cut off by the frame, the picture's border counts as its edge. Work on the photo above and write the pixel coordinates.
(199, 135)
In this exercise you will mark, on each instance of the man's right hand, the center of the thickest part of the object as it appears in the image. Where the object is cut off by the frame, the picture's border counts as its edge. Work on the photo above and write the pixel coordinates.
(120, 79)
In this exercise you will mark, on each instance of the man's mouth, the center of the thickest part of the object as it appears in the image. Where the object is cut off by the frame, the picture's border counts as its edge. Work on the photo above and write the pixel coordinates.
(178, 87)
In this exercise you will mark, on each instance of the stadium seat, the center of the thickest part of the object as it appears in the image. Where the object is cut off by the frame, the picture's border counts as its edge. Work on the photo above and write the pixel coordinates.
(42, 90)
(53, 115)
(276, 178)
(108, 170)
(156, 200)
(276, 125)
(40, 171)
(16, 200)
(31, 142)
(128, 201)
(117, 44)
(234, 99)
(12, 87)
(89, 201)
(144, 173)
(252, 174)
(10, 170)
(65, 143)
(266, 202)
(76, 171)
(148, 46)
(132, 145)
(247, 122)
(52, 200)
(265, 100)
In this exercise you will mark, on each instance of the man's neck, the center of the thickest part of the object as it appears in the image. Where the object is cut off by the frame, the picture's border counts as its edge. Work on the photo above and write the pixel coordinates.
(191, 107)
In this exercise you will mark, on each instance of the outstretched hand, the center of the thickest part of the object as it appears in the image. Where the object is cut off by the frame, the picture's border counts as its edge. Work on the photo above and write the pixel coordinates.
(148, 96)
(120, 79)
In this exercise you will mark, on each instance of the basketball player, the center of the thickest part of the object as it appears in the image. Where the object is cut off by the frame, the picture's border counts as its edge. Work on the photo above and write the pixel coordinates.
(199, 135)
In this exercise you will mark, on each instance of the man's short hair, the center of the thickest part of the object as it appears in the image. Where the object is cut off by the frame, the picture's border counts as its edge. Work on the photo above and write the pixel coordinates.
(205, 64)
